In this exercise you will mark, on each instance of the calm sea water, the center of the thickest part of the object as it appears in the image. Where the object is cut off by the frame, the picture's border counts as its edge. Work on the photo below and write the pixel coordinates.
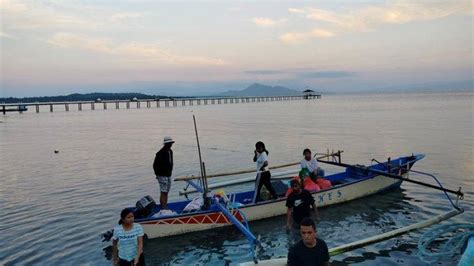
(55, 206)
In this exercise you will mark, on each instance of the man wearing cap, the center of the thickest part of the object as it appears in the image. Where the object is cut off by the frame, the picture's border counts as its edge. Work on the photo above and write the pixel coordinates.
(163, 167)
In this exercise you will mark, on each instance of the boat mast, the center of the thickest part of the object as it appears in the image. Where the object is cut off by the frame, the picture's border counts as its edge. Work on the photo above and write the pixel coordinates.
(201, 165)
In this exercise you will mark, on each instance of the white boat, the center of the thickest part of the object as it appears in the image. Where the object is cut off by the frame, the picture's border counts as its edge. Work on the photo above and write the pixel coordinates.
(353, 183)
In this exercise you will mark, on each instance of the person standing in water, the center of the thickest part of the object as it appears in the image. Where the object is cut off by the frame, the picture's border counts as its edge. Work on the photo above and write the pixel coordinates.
(299, 203)
(311, 250)
(127, 241)
(163, 167)
(263, 174)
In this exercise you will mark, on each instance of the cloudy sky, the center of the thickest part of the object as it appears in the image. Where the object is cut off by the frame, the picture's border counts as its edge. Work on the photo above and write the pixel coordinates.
(195, 47)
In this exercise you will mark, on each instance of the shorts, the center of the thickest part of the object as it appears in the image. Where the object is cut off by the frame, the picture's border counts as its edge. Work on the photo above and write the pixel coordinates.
(141, 261)
(165, 183)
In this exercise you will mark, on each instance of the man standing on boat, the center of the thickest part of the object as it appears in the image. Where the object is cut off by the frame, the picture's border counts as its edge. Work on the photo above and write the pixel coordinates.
(311, 250)
(299, 204)
(163, 167)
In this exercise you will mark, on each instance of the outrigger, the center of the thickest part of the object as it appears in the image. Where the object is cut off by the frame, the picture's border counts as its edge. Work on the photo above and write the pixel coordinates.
(238, 209)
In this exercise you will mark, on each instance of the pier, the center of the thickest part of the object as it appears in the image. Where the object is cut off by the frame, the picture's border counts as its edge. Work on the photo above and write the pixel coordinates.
(144, 103)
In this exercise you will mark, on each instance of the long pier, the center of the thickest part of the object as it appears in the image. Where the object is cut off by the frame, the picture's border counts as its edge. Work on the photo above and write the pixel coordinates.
(145, 103)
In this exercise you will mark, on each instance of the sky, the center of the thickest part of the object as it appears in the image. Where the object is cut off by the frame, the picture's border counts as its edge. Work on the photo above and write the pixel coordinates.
(200, 47)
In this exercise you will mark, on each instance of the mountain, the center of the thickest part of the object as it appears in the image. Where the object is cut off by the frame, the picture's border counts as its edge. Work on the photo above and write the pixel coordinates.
(257, 89)
(81, 97)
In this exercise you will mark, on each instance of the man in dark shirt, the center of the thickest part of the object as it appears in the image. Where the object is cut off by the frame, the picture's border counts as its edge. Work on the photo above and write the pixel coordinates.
(310, 250)
(163, 167)
(299, 204)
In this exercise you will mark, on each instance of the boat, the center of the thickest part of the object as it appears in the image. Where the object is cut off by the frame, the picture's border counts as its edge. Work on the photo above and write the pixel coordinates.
(219, 209)
(354, 182)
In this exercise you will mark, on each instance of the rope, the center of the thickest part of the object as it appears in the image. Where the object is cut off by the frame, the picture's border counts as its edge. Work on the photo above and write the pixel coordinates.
(458, 235)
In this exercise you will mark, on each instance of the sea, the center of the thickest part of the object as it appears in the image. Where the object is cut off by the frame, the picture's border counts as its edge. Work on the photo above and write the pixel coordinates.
(55, 205)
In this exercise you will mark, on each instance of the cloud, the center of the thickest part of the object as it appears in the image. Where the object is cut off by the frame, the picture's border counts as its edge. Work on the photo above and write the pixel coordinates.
(6, 35)
(370, 17)
(125, 15)
(326, 74)
(303, 73)
(132, 50)
(299, 37)
(22, 16)
(267, 22)
(296, 10)
(57, 15)
(263, 72)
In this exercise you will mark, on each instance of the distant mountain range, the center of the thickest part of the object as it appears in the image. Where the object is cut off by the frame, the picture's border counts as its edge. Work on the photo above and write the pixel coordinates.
(257, 89)
(83, 97)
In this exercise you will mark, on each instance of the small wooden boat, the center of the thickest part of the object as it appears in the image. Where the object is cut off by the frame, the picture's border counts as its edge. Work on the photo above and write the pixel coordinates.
(354, 182)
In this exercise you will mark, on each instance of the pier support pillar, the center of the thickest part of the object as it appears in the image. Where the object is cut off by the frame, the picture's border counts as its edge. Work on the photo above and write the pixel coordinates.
(51, 108)
(4, 110)
(37, 108)
(127, 105)
(92, 106)
(79, 106)
(66, 106)
(117, 105)
(183, 103)
(138, 104)
(105, 106)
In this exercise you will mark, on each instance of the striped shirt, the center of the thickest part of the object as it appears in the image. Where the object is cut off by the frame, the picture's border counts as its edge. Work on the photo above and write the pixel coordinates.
(127, 241)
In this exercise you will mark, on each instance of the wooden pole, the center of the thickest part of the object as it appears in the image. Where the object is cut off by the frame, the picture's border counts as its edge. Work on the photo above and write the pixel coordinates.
(378, 172)
(201, 164)
(183, 178)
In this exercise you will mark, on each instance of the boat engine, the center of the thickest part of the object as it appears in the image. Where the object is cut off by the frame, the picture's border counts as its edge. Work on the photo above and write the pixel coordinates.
(145, 207)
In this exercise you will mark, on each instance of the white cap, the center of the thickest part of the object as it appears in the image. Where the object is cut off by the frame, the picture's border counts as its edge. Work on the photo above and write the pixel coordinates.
(168, 139)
